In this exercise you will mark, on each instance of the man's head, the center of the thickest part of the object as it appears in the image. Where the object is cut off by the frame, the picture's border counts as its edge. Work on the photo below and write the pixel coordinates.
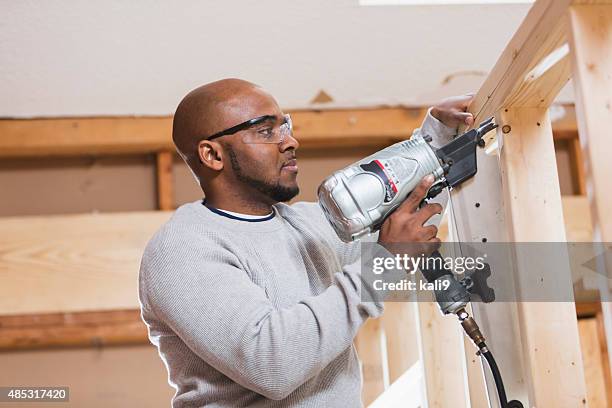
(251, 161)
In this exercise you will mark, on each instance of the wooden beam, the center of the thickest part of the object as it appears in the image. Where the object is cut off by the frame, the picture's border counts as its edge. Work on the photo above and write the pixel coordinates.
(165, 180)
(129, 135)
(478, 212)
(591, 42)
(85, 329)
(577, 166)
(441, 341)
(551, 349)
(78, 136)
(595, 355)
(369, 349)
(526, 73)
(142, 135)
(400, 329)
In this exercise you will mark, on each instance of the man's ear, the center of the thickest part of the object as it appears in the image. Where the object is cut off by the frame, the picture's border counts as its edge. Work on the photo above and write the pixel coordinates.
(210, 155)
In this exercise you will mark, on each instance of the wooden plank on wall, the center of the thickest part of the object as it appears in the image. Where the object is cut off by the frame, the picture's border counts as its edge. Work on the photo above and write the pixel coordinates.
(125, 135)
(83, 329)
(141, 135)
(73, 263)
(82, 136)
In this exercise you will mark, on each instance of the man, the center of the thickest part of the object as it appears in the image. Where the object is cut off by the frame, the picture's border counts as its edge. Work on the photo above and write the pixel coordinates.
(253, 302)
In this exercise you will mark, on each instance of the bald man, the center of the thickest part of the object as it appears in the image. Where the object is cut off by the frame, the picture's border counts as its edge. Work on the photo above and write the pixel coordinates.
(251, 301)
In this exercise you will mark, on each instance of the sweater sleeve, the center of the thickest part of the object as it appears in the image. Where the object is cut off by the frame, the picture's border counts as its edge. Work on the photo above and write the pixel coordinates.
(203, 294)
(439, 132)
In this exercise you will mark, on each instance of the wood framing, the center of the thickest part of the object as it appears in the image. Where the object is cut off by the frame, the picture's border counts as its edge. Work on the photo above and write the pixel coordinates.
(551, 350)
(140, 135)
(82, 329)
(591, 42)
(529, 73)
(518, 191)
(143, 135)
(369, 345)
(94, 257)
(165, 180)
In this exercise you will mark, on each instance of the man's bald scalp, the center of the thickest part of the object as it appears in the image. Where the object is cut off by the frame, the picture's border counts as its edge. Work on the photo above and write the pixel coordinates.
(199, 113)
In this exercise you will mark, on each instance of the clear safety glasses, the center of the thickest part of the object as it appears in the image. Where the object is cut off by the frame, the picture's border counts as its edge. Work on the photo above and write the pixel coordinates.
(263, 129)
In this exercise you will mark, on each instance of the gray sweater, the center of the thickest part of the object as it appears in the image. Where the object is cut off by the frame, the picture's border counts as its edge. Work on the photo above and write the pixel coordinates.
(259, 314)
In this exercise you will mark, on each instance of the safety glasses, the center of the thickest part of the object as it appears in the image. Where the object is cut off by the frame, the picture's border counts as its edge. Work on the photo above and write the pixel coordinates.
(262, 129)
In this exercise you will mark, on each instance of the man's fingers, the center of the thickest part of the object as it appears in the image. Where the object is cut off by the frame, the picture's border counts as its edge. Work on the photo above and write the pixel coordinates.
(430, 232)
(417, 195)
(465, 117)
(427, 211)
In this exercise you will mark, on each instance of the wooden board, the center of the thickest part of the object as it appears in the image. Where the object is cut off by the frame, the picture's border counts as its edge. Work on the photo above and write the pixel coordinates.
(165, 180)
(594, 370)
(73, 263)
(591, 42)
(83, 329)
(511, 82)
(140, 135)
(124, 135)
(369, 349)
(531, 191)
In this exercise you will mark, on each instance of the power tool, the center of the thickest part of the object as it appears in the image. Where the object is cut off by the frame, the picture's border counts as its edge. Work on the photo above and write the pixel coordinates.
(357, 199)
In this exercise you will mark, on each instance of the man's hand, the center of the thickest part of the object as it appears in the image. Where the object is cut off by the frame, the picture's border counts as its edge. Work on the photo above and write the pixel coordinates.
(453, 111)
(405, 225)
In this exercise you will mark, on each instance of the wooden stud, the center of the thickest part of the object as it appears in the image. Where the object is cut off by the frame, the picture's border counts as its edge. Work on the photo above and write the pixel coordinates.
(577, 166)
(165, 180)
(591, 41)
(511, 82)
(369, 349)
(442, 357)
(595, 355)
(401, 333)
(552, 350)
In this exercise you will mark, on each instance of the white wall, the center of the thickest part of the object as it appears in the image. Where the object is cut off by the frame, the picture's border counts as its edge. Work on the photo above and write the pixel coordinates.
(115, 57)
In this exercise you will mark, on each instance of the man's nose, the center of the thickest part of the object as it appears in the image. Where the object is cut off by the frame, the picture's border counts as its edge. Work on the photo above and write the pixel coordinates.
(289, 142)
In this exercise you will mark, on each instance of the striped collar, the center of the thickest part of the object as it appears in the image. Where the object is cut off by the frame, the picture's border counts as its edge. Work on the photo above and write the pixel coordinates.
(238, 216)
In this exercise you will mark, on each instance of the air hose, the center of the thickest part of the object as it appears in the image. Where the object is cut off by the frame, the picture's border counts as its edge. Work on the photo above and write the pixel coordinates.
(473, 332)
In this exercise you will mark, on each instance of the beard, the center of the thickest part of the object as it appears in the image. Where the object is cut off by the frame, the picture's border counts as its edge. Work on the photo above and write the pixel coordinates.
(273, 190)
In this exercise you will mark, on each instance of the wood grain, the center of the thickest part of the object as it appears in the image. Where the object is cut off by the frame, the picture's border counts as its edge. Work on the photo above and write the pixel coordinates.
(74, 262)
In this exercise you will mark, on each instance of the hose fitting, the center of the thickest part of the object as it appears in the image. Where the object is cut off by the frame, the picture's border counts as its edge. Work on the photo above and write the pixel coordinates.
(470, 327)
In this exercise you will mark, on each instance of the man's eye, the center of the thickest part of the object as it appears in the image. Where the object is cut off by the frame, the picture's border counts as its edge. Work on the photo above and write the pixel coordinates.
(265, 132)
